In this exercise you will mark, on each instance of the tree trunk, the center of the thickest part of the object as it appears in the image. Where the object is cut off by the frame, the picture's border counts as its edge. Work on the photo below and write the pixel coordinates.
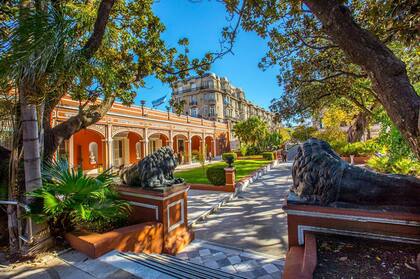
(387, 72)
(30, 138)
(358, 127)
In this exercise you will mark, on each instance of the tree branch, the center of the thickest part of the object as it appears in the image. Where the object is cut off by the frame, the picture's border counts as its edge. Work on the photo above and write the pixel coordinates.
(94, 42)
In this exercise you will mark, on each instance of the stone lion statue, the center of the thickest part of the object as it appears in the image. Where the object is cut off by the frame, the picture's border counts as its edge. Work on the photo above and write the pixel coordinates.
(321, 177)
(154, 170)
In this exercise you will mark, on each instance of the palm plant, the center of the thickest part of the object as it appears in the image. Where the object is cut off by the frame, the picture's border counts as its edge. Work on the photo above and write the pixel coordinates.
(70, 200)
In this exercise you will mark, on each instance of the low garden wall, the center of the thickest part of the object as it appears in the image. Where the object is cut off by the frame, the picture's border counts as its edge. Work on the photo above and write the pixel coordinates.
(145, 237)
(357, 160)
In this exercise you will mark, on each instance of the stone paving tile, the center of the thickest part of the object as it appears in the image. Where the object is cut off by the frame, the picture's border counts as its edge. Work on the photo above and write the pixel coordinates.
(270, 268)
(234, 259)
(247, 264)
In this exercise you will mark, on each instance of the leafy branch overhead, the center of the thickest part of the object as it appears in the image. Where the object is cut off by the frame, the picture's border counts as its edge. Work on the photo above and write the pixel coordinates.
(97, 51)
(360, 52)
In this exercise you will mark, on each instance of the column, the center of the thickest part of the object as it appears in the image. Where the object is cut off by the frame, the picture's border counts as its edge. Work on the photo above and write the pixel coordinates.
(189, 149)
(203, 145)
(146, 142)
(214, 146)
(170, 142)
(71, 152)
(109, 146)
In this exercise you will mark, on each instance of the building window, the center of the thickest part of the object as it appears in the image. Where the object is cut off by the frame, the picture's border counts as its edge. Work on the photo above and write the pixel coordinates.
(193, 86)
(226, 100)
(193, 112)
(193, 100)
(212, 111)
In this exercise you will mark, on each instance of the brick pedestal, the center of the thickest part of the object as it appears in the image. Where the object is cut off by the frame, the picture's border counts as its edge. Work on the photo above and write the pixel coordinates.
(365, 223)
(230, 179)
(165, 205)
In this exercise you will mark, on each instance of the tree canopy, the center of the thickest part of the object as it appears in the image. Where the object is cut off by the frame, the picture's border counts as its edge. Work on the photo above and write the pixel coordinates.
(96, 51)
(330, 50)
(251, 131)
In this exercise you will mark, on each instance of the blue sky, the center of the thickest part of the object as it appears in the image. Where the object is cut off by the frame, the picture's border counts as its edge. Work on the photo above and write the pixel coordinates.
(202, 23)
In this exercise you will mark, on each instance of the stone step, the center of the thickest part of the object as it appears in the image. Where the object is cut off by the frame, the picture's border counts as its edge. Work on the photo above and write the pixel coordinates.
(164, 266)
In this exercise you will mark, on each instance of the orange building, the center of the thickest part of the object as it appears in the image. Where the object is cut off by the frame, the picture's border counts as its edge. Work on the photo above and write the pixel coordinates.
(127, 134)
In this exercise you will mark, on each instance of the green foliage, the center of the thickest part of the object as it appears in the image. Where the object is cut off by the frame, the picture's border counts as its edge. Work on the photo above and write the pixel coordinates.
(269, 156)
(334, 136)
(251, 131)
(272, 141)
(216, 175)
(302, 133)
(398, 157)
(229, 158)
(361, 148)
(243, 168)
(178, 106)
(405, 166)
(243, 150)
(227, 155)
(391, 139)
(68, 199)
(253, 150)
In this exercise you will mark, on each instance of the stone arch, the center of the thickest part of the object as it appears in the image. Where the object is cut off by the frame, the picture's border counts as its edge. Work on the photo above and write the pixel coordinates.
(122, 129)
(83, 143)
(125, 148)
(98, 128)
(157, 140)
(209, 144)
(180, 143)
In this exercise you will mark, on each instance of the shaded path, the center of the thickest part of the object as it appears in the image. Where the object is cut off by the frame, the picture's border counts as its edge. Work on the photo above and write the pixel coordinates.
(255, 219)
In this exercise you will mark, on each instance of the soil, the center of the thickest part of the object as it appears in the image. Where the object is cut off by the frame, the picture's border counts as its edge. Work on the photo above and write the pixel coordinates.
(353, 258)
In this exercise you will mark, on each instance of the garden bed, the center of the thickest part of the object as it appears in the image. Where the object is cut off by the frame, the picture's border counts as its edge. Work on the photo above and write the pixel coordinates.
(244, 168)
(348, 257)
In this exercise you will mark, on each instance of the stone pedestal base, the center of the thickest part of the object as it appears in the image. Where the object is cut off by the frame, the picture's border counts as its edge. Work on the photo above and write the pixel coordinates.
(390, 225)
(165, 205)
(230, 179)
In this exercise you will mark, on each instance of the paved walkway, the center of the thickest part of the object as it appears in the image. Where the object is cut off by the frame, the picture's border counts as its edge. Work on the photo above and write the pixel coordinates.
(255, 219)
(200, 202)
(240, 262)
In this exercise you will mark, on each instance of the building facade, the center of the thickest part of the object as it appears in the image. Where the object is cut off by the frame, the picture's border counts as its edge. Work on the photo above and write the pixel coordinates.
(215, 98)
(127, 134)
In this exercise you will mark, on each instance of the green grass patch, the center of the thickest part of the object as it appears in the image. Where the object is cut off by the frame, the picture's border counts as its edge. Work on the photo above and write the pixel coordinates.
(243, 168)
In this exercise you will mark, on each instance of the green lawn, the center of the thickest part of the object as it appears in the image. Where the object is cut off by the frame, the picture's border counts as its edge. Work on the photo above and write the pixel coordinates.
(243, 168)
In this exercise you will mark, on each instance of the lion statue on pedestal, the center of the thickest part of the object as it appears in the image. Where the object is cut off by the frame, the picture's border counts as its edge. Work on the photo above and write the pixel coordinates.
(154, 170)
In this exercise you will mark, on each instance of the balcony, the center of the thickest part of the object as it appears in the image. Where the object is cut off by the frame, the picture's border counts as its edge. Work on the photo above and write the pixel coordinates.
(210, 101)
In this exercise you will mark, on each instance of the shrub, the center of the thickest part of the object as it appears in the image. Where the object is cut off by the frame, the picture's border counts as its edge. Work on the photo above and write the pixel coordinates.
(253, 150)
(195, 155)
(243, 150)
(359, 148)
(269, 156)
(68, 199)
(227, 155)
(216, 175)
(404, 166)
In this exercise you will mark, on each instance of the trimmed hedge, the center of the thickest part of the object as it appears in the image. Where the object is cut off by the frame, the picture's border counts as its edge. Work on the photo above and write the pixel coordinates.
(216, 175)
(229, 154)
(268, 156)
